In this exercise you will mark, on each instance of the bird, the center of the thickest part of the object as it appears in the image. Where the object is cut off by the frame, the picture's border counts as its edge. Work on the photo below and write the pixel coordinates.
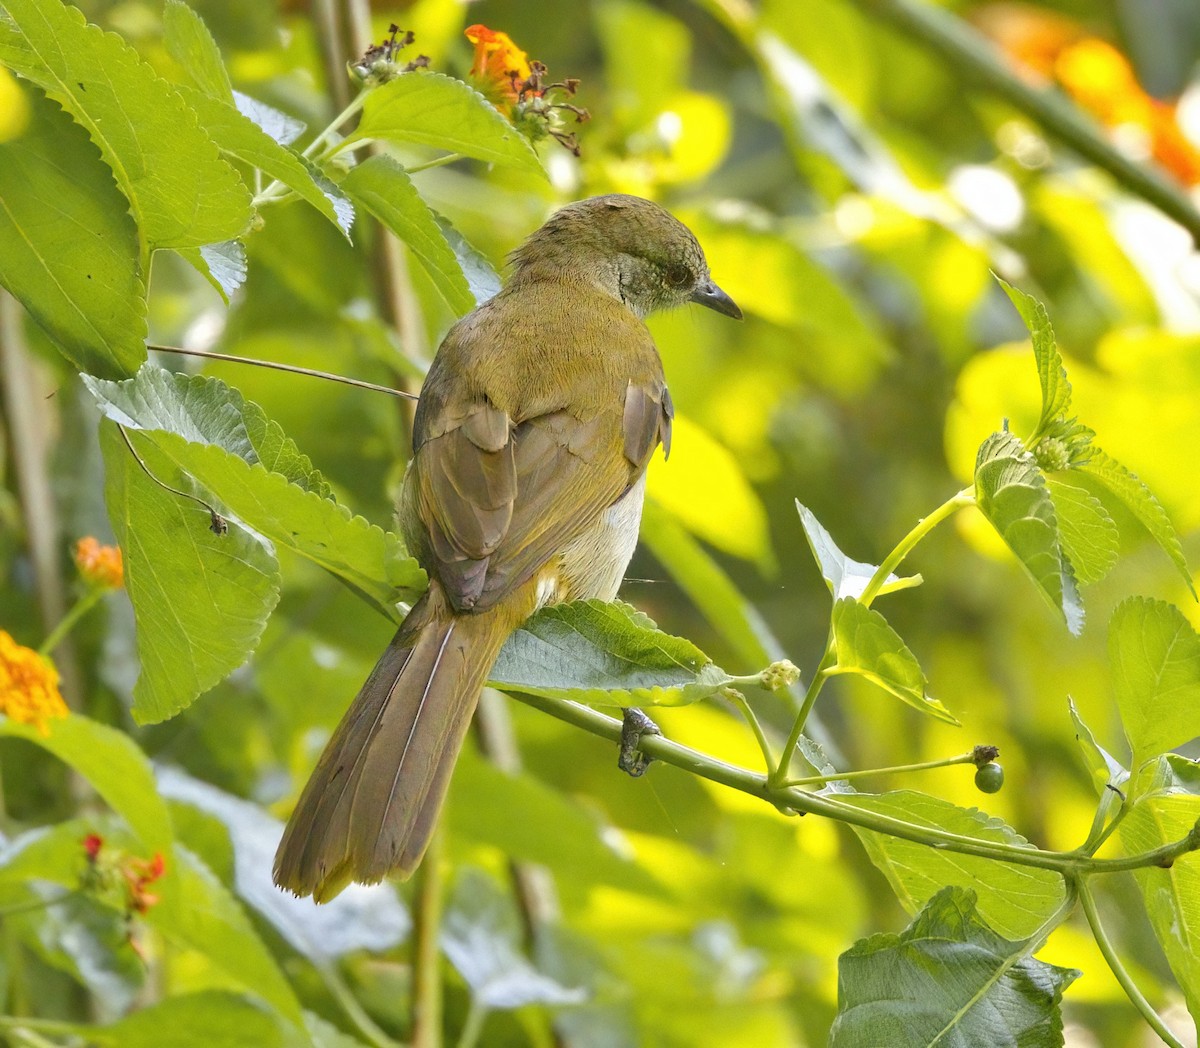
(531, 439)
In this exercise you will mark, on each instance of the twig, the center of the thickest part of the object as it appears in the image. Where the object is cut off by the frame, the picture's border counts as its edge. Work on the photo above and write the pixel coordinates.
(427, 976)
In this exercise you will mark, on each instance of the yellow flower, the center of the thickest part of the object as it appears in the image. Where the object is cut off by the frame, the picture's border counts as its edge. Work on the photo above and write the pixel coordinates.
(28, 685)
(499, 67)
(99, 565)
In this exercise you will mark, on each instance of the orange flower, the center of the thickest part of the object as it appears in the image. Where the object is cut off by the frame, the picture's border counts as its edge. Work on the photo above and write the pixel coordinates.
(139, 874)
(499, 66)
(28, 685)
(100, 566)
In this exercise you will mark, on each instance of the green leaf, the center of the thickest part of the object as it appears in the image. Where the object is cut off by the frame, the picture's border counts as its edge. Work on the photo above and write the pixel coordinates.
(380, 185)
(1015, 900)
(868, 646)
(68, 249)
(222, 265)
(206, 917)
(1142, 504)
(180, 191)
(200, 599)
(1056, 390)
(189, 42)
(1172, 896)
(1155, 658)
(481, 934)
(604, 653)
(210, 1019)
(281, 126)
(1088, 535)
(239, 137)
(482, 280)
(243, 461)
(949, 980)
(1011, 492)
(114, 766)
(435, 110)
(844, 577)
(1105, 769)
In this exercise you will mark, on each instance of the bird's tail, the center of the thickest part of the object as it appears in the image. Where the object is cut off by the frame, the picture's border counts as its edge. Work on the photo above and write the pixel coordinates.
(371, 804)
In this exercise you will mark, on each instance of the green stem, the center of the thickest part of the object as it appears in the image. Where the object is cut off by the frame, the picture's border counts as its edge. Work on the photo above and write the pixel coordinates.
(38, 904)
(332, 978)
(1118, 969)
(739, 700)
(827, 663)
(476, 1016)
(833, 807)
(904, 547)
(945, 762)
(81, 607)
(965, 49)
(440, 161)
(427, 980)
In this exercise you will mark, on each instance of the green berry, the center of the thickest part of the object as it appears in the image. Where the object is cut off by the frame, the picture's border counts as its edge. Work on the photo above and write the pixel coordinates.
(989, 778)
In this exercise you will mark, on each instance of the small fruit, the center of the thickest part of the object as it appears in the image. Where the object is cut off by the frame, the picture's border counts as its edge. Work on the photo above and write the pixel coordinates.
(989, 778)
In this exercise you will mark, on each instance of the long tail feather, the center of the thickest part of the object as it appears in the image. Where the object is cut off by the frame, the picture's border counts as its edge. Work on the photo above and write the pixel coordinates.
(371, 804)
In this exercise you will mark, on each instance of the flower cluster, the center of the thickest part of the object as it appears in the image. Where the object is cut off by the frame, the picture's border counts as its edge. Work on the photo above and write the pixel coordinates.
(28, 686)
(520, 88)
(379, 62)
(99, 566)
(128, 876)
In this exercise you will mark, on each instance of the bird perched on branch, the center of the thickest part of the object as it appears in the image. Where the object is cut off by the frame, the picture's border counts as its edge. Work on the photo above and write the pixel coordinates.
(530, 445)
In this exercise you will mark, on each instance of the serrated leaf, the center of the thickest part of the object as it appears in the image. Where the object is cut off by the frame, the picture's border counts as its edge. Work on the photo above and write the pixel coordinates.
(380, 185)
(180, 191)
(482, 280)
(363, 917)
(435, 110)
(1172, 896)
(209, 1019)
(950, 980)
(481, 934)
(281, 126)
(239, 137)
(1056, 390)
(189, 42)
(1088, 535)
(1014, 900)
(200, 599)
(68, 249)
(1140, 501)
(222, 265)
(844, 576)
(1105, 769)
(867, 646)
(1011, 492)
(1155, 658)
(608, 654)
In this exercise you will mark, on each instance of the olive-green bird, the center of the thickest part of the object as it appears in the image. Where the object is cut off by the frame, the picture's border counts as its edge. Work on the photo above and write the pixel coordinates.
(530, 445)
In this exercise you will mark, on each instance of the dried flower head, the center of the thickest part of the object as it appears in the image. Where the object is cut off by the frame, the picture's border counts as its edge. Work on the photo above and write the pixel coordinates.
(380, 62)
(28, 686)
(99, 566)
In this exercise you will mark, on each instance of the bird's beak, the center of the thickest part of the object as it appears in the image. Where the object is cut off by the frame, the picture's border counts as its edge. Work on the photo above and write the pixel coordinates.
(708, 294)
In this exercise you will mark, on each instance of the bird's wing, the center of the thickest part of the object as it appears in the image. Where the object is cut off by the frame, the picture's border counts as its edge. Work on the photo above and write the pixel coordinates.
(499, 498)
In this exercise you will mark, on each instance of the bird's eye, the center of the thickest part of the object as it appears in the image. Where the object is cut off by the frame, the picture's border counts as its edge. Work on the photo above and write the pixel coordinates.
(678, 275)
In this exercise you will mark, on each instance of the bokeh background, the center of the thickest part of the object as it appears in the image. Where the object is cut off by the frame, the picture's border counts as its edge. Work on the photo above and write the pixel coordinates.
(854, 190)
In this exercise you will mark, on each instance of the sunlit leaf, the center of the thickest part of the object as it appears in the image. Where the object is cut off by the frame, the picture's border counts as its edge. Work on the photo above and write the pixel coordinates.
(281, 126)
(180, 191)
(222, 265)
(68, 249)
(1056, 390)
(947, 979)
(380, 185)
(867, 646)
(1142, 504)
(1088, 535)
(1155, 659)
(189, 42)
(1105, 769)
(434, 110)
(482, 279)
(608, 654)
(1011, 492)
(844, 576)
(1014, 900)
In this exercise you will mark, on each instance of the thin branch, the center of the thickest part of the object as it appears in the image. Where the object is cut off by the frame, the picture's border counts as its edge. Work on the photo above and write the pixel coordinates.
(294, 369)
(1118, 969)
(971, 54)
(426, 957)
(830, 806)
